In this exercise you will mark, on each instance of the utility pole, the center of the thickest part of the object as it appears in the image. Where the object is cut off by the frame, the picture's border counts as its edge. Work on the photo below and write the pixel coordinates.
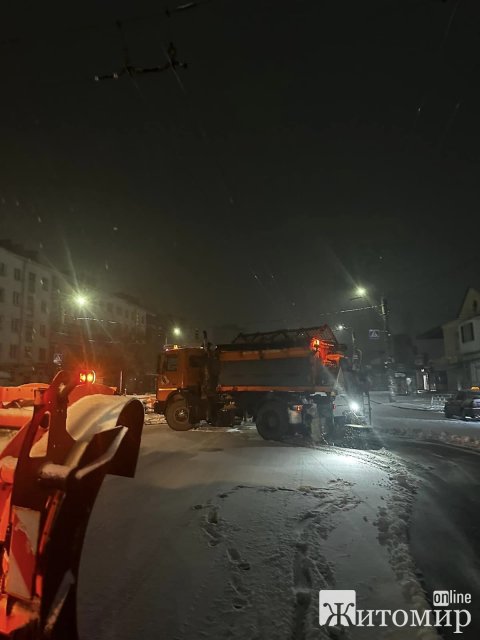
(389, 347)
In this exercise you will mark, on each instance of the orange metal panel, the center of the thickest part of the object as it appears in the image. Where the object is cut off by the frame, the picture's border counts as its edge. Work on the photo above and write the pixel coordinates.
(225, 389)
(267, 354)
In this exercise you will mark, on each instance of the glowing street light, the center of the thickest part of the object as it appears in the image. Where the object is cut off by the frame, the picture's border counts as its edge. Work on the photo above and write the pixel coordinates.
(177, 331)
(342, 327)
(81, 300)
(361, 292)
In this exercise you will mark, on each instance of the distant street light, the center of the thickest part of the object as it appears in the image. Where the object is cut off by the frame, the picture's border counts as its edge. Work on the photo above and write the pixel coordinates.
(361, 292)
(175, 331)
(342, 327)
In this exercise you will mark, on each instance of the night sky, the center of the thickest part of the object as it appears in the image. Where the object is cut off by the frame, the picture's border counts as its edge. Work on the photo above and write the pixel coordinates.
(310, 146)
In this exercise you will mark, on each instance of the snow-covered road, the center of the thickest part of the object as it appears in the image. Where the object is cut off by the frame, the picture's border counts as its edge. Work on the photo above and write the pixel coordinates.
(224, 535)
(444, 530)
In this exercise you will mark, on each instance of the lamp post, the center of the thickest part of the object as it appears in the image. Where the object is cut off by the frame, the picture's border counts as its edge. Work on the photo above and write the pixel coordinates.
(342, 327)
(176, 331)
(361, 292)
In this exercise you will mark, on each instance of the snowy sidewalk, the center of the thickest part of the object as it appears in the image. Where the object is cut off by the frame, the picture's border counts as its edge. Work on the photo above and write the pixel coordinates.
(390, 419)
(418, 402)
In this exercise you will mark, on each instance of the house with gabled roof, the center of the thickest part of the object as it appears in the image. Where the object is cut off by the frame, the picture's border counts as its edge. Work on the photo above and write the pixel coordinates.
(461, 338)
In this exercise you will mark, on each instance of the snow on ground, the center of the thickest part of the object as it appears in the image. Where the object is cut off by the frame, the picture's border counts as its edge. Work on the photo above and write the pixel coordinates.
(224, 535)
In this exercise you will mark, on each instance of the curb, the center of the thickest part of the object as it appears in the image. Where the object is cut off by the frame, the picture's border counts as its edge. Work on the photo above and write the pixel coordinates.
(402, 406)
(447, 445)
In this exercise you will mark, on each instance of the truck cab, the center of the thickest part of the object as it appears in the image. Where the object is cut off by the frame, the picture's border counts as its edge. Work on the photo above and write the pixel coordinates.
(179, 369)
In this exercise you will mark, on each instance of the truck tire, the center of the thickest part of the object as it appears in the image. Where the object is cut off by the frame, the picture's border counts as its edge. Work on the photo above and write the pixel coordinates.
(272, 420)
(177, 415)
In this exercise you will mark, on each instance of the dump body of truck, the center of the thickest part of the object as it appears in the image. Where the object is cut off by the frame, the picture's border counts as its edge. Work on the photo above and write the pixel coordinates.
(284, 380)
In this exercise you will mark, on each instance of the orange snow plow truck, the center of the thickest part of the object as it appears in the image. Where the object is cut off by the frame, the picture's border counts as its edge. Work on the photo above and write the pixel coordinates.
(284, 380)
(74, 432)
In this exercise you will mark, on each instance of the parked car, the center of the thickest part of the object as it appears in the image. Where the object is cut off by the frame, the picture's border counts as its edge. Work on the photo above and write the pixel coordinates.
(465, 404)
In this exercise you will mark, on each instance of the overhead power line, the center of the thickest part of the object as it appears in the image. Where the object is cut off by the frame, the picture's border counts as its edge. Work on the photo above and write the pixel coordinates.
(47, 35)
(131, 70)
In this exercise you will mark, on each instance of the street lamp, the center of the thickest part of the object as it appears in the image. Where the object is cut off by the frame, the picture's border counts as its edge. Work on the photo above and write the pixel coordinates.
(342, 327)
(175, 331)
(361, 292)
(81, 300)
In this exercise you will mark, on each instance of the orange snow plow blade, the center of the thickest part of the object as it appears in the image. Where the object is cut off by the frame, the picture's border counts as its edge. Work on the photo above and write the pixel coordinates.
(50, 474)
(16, 403)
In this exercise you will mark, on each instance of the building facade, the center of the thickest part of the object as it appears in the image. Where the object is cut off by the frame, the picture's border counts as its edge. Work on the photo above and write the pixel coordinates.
(25, 313)
(461, 339)
(48, 322)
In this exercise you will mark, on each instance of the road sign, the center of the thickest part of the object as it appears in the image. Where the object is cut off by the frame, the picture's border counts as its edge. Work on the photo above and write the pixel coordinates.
(374, 334)
(57, 359)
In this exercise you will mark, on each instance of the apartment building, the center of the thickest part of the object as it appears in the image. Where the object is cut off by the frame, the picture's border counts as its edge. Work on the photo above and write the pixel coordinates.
(25, 307)
(49, 320)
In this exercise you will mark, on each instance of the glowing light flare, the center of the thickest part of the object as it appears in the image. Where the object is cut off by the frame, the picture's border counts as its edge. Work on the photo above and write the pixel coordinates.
(87, 377)
(81, 300)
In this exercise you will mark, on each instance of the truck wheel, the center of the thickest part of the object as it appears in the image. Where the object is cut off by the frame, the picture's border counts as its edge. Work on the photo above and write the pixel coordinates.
(272, 421)
(177, 415)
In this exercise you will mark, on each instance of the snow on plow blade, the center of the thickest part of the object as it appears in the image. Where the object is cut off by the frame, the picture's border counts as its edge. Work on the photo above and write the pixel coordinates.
(50, 475)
